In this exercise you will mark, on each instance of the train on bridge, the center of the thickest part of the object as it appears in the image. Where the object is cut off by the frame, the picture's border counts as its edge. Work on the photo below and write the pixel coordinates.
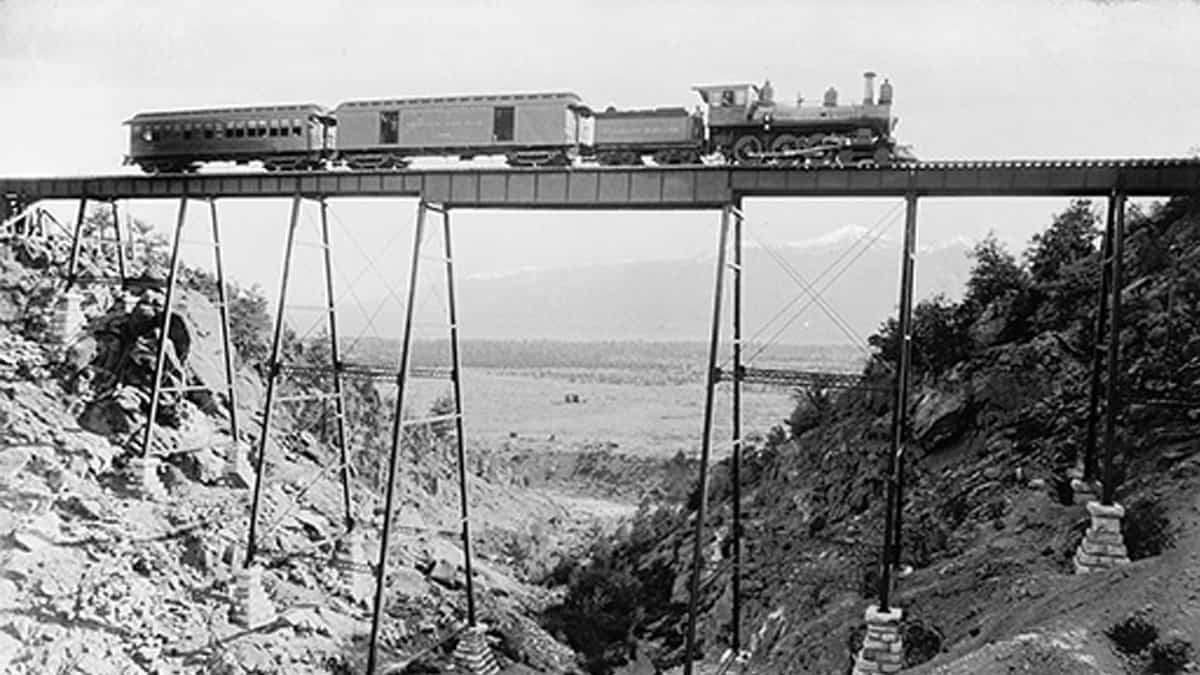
(737, 124)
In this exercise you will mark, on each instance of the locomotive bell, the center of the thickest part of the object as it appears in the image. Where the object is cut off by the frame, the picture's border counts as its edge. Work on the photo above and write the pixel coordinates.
(868, 88)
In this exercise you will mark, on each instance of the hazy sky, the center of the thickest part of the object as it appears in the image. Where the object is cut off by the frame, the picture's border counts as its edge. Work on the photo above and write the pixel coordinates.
(979, 80)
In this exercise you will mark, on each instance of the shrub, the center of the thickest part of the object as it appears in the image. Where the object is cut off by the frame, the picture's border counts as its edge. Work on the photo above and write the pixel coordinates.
(1133, 635)
(1147, 529)
(1170, 656)
(922, 641)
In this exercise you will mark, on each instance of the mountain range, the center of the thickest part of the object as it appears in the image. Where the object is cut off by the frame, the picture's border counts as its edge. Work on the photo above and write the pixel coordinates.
(671, 300)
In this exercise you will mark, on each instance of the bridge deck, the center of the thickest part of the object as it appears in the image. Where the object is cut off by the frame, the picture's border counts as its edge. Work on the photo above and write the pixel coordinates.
(646, 187)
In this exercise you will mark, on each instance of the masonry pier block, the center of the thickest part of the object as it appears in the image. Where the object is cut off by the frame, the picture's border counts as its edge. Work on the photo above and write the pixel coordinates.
(238, 471)
(473, 655)
(350, 559)
(251, 606)
(1102, 547)
(883, 649)
(143, 477)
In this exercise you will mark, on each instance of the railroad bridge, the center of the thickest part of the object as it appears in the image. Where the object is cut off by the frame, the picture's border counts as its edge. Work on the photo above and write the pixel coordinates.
(717, 188)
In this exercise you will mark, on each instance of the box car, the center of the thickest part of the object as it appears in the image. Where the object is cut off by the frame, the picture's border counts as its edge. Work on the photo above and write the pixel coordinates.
(670, 135)
(528, 128)
(281, 137)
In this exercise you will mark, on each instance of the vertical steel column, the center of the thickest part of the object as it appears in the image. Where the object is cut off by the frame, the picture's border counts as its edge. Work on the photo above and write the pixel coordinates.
(76, 243)
(223, 304)
(164, 329)
(1093, 419)
(272, 375)
(397, 425)
(736, 472)
(895, 470)
(339, 403)
(1114, 352)
(710, 387)
(120, 243)
(456, 379)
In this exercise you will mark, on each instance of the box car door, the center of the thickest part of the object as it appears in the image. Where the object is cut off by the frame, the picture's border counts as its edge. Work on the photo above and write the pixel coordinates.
(503, 123)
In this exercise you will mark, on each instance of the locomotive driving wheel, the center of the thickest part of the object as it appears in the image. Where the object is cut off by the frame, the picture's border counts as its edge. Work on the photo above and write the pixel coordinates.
(747, 150)
(785, 143)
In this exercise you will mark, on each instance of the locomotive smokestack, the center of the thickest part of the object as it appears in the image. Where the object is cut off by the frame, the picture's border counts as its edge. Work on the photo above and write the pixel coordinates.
(868, 88)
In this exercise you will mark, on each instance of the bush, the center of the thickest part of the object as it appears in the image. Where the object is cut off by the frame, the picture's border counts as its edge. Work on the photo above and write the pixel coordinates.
(1146, 529)
(1170, 656)
(1133, 635)
(922, 642)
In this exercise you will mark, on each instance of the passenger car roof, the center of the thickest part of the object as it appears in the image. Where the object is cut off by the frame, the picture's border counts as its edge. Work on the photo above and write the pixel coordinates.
(566, 96)
(171, 115)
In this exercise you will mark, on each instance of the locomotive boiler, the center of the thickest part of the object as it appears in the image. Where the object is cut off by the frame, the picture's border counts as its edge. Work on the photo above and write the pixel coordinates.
(748, 126)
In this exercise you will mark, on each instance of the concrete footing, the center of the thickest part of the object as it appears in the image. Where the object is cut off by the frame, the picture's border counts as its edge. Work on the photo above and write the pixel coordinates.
(1102, 547)
(473, 655)
(883, 649)
(143, 477)
(251, 606)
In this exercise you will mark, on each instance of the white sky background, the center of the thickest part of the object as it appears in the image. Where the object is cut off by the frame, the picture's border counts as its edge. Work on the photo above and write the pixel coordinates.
(974, 80)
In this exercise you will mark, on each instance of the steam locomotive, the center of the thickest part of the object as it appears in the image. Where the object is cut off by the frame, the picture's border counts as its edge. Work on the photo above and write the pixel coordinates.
(738, 124)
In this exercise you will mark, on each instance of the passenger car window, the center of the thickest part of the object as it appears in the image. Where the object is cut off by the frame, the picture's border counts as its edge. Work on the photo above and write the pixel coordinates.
(503, 123)
(389, 126)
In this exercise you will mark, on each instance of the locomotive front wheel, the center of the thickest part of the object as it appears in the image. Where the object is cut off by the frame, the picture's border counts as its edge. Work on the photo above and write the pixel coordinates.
(883, 158)
(747, 149)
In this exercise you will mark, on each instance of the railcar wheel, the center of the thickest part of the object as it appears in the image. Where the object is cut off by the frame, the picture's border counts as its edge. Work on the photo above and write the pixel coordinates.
(747, 150)
(845, 157)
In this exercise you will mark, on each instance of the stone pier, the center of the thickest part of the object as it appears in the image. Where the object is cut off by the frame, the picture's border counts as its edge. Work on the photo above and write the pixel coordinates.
(350, 559)
(143, 477)
(251, 606)
(238, 471)
(473, 655)
(1102, 547)
(882, 650)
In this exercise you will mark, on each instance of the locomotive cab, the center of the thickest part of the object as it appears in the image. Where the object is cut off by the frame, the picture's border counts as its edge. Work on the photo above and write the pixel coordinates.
(728, 103)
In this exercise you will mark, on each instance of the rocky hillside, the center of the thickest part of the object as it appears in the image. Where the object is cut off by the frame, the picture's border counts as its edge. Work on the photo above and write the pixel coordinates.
(998, 417)
(96, 578)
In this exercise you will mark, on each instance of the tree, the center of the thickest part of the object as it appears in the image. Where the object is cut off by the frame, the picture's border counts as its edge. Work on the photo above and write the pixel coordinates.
(995, 275)
(939, 337)
(1070, 238)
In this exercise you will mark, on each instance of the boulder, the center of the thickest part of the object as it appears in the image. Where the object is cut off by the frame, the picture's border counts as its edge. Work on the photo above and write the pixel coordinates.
(990, 328)
(444, 573)
(940, 416)
(12, 461)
